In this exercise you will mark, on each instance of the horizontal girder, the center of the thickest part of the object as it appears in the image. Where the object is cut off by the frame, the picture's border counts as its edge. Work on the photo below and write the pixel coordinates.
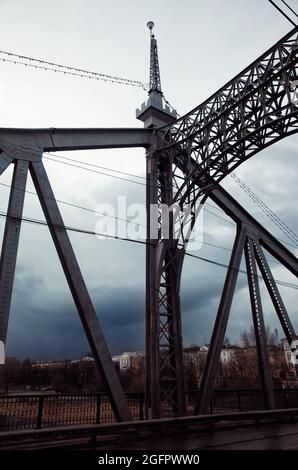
(51, 140)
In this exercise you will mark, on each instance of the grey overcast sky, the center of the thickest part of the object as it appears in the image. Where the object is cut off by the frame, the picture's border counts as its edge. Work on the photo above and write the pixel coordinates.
(202, 44)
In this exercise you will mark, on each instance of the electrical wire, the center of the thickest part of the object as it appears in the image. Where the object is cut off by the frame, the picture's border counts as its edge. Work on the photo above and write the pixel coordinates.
(94, 171)
(290, 8)
(286, 230)
(77, 206)
(115, 237)
(282, 12)
(70, 160)
(94, 211)
(72, 229)
(68, 70)
(241, 271)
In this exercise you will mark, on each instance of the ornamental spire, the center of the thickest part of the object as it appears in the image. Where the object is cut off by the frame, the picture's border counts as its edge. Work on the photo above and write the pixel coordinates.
(155, 112)
(155, 85)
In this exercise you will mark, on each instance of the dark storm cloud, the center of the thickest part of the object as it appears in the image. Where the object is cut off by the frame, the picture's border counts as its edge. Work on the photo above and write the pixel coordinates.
(44, 325)
(44, 321)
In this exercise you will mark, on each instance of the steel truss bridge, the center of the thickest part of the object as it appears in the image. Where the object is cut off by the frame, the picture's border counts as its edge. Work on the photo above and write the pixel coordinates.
(186, 160)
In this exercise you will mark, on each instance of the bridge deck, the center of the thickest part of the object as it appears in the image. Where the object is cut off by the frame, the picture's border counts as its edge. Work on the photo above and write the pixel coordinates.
(254, 430)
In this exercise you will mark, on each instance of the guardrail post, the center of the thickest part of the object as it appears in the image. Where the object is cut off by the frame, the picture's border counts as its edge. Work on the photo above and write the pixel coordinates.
(40, 411)
(211, 404)
(239, 400)
(141, 407)
(98, 403)
(285, 397)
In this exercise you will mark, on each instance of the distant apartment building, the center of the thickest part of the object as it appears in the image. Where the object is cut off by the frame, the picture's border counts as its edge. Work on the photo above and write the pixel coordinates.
(129, 360)
(198, 354)
(49, 364)
(292, 368)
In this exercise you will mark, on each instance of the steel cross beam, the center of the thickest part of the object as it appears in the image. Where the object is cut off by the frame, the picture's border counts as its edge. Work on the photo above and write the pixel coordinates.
(24, 147)
(54, 139)
(274, 293)
(79, 290)
(260, 236)
(217, 339)
(259, 325)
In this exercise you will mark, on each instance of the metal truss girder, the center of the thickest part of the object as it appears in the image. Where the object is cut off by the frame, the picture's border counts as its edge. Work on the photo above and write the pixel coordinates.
(274, 293)
(152, 345)
(11, 240)
(172, 386)
(251, 112)
(79, 290)
(259, 325)
(221, 322)
(268, 70)
(164, 350)
(53, 139)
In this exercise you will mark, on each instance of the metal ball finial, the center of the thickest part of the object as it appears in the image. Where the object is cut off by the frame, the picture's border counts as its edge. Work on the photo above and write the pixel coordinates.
(150, 25)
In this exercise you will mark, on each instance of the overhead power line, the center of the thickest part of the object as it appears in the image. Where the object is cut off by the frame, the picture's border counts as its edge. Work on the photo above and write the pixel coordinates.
(290, 8)
(113, 170)
(94, 171)
(241, 271)
(42, 64)
(286, 230)
(115, 237)
(73, 163)
(95, 212)
(77, 206)
(282, 12)
(73, 229)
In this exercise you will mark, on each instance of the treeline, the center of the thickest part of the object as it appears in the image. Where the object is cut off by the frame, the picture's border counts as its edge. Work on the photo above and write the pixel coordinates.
(67, 376)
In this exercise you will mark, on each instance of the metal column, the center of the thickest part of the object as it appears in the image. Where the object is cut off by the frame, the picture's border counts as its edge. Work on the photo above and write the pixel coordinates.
(221, 322)
(171, 374)
(164, 350)
(152, 352)
(259, 325)
(79, 291)
(11, 239)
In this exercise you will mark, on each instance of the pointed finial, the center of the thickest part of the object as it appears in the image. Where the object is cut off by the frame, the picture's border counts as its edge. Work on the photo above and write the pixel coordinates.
(150, 25)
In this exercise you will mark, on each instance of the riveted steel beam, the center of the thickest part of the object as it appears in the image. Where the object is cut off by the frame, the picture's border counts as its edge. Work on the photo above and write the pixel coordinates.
(79, 291)
(259, 325)
(11, 239)
(221, 322)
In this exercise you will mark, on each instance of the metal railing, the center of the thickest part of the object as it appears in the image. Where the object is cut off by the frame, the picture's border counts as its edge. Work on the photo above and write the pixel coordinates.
(20, 412)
